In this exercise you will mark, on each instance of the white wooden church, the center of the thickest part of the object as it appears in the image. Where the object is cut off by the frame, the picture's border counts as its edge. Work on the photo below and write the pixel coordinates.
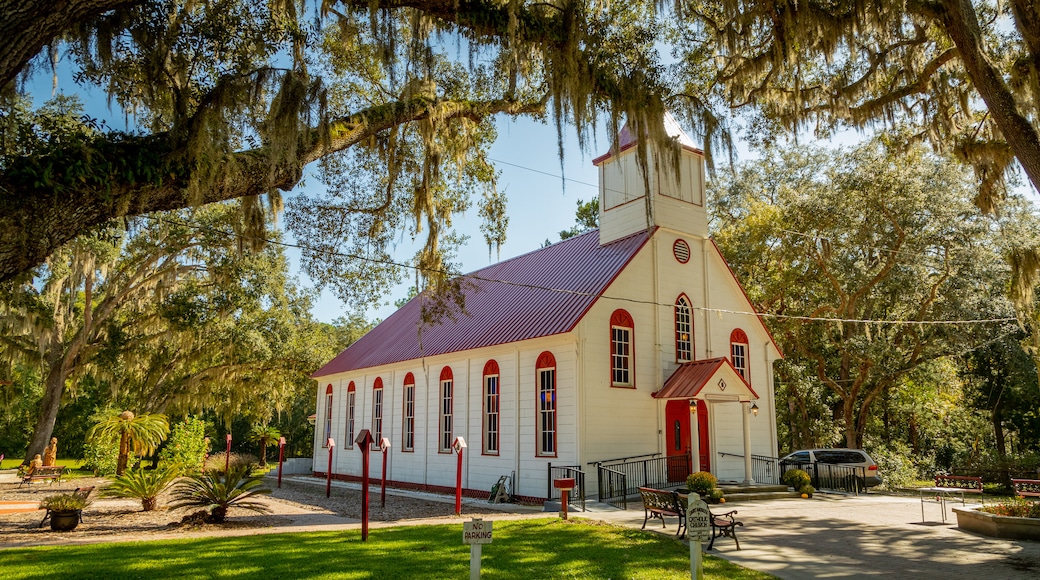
(587, 350)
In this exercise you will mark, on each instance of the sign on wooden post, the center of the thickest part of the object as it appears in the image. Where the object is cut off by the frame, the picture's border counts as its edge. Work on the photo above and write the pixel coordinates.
(698, 529)
(476, 533)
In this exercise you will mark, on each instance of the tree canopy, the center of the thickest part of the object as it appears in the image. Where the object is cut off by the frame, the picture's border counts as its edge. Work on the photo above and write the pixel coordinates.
(233, 99)
(865, 259)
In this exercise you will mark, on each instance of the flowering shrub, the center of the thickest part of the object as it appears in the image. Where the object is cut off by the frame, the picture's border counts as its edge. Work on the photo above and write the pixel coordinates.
(702, 483)
(216, 461)
(1014, 507)
(796, 478)
(186, 448)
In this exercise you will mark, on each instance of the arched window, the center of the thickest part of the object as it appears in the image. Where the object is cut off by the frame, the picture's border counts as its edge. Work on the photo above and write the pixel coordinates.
(351, 406)
(377, 412)
(492, 397)
(622, 329)
(738, 348)
(408, 429)
(328, 416)
(545, 368)
(447, 402)
(683, 330)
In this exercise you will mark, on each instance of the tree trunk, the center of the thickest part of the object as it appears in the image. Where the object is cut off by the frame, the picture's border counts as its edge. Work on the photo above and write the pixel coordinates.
(852, 432)
(998, 433)
(53, 390)
(30, 25)
(124, 453)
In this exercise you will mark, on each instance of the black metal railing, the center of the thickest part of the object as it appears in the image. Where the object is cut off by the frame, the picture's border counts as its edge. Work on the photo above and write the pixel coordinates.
(764, 469)
(577, 495)
(620, 478)
(824, 476)
(612, 487)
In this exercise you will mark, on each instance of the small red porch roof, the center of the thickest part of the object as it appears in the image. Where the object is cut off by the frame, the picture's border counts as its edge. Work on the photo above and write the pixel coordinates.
(706, 379)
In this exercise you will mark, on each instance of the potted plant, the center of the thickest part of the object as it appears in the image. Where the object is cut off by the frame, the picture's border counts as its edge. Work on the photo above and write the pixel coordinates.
(64, 510)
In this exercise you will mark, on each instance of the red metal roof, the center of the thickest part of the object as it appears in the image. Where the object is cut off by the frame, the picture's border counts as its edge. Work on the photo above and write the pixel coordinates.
(688, 380)
(538, 294)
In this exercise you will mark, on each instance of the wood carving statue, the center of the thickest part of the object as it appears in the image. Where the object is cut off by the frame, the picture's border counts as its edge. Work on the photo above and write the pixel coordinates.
(50, 453)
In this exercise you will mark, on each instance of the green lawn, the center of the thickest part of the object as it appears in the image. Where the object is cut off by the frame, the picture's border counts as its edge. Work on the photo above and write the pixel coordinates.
(13, 462)
(542, 548)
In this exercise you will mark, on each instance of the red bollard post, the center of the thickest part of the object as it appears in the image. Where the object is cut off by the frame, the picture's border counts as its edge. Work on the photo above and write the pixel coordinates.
(364, 442)
(458, 446)
(565, 485)
(384, 444)
(227, 456)
(281, 458)
(328, 474)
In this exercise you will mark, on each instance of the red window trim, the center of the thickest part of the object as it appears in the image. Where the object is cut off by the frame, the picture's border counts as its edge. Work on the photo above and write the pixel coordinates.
(546, 361)
(409, 380)
(622, 319)
(378, 385)
(738, 336)
(348, 432)
(692, 341)
(328, 416)
(490, 370)
(446, 375)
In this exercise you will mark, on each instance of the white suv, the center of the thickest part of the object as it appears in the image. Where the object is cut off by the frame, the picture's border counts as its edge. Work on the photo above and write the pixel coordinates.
(868, 476)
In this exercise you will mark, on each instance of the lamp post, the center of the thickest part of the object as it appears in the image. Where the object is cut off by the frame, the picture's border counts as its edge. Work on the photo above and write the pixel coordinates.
(330, 443)
(384, 445)
(459, 446)
(281, 458)
(695, 438)
(227, 456)
(364, 445)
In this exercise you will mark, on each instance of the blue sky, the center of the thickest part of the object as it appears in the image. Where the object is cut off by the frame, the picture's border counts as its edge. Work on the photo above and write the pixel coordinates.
(540, 204)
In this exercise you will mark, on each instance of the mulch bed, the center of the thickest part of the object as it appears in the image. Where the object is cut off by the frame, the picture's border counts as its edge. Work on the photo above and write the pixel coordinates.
(114, 519)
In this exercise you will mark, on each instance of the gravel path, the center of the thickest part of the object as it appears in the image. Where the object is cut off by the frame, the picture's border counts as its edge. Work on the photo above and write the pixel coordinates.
(300, 503)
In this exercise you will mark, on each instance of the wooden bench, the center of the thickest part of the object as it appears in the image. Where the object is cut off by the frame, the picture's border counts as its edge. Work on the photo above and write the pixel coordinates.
(50, 474)
(1026, 487)
(722, 525)
(658, 503)
(946, 486)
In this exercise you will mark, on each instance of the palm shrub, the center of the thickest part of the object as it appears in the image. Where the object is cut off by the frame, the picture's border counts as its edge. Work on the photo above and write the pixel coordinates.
(217, 492)
(139, 434)
(264, 435)
(143, 484)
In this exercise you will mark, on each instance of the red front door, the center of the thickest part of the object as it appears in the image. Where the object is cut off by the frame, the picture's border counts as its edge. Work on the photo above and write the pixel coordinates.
(677, 438)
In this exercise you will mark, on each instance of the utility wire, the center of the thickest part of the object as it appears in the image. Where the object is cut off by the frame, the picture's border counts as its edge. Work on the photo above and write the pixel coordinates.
(719, 311)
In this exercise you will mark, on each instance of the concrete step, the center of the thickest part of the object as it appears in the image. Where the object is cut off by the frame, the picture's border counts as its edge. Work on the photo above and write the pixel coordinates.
(759, 495)
(757, 488)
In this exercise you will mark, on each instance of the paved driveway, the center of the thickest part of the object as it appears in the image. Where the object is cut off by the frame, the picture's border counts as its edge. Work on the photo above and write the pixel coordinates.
(862, 537)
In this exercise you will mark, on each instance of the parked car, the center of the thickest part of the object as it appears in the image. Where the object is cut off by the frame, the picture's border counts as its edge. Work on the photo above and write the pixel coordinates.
(819, 462)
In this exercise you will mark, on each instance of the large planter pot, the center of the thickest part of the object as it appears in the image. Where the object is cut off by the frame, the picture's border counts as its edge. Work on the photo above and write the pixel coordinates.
(998, 526)
(64, 521)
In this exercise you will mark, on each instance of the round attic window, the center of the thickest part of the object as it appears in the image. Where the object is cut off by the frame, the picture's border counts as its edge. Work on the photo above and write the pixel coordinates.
(681, 250)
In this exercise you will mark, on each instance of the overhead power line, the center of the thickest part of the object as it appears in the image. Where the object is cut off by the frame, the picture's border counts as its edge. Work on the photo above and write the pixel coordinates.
(718, 311)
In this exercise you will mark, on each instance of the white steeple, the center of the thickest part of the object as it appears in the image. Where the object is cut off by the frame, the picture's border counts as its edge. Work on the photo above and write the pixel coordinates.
(674, 204)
